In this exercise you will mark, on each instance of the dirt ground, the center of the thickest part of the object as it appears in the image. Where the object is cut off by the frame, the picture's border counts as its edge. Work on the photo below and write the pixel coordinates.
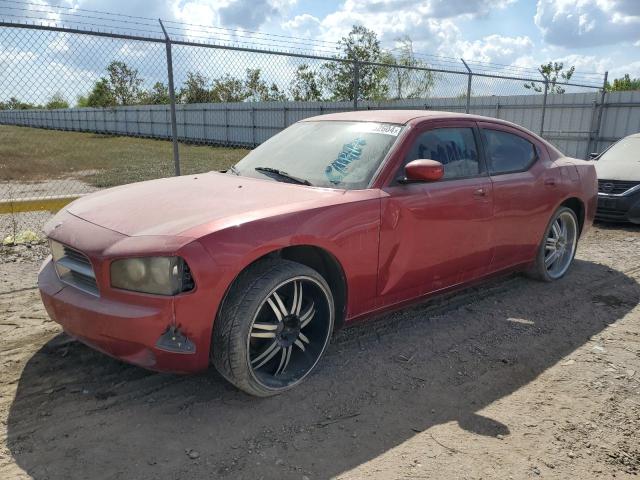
(511, 379)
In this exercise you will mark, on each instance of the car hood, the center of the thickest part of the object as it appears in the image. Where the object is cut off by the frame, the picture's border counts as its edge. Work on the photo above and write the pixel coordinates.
(175, 206)
(628, 170)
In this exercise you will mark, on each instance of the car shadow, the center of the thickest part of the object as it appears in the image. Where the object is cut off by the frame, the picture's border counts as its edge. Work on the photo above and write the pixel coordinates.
(611, 225)
(79, 414)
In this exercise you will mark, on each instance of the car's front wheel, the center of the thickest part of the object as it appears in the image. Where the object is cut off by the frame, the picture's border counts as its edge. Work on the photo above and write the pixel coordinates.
(274, 325)
(558, 246)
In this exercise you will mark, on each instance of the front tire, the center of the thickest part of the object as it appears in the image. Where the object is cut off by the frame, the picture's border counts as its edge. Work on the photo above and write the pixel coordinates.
(558, 247)
(274, 325)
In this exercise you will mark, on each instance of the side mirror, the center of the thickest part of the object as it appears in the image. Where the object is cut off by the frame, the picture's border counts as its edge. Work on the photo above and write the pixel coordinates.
(423, 171)
(593, 155)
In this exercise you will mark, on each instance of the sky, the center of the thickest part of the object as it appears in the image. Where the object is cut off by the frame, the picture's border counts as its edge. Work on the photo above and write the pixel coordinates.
(593, 35)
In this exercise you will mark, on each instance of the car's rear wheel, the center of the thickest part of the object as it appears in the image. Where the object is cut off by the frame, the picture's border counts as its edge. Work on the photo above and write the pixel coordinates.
(273, 327)
(558, 247)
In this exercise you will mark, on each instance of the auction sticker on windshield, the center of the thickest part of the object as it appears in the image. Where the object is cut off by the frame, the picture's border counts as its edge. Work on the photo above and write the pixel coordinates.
(384, 128)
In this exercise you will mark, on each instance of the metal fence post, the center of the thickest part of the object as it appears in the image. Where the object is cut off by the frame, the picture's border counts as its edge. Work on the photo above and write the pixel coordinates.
(356, 83)
(470, 76)
(544, 104)
(603, 97)
(172, 102)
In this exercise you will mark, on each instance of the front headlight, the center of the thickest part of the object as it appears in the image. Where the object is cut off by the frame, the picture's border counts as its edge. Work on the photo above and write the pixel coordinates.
(159, 275)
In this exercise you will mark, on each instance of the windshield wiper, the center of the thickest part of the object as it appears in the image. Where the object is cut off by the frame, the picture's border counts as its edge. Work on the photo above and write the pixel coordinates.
(284, 174)
(234, 170)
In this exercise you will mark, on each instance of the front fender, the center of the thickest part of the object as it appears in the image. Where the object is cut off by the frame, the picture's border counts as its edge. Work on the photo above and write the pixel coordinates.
(348, 231)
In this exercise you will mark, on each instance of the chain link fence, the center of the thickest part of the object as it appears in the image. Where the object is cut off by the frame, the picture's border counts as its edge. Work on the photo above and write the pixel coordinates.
(83, 110)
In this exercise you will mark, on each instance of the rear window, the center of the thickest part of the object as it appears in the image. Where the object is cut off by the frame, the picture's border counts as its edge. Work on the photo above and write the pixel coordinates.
(507, 152)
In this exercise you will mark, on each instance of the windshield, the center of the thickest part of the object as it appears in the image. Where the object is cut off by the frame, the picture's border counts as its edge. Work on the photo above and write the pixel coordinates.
(626, 150)
(322, 153)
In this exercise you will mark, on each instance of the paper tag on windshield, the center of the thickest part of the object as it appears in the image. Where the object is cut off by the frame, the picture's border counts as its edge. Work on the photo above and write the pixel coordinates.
(384, 128)
(387, 129)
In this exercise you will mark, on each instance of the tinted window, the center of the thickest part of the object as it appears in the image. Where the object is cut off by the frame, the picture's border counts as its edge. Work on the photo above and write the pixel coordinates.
(455, 148)
(507, 152)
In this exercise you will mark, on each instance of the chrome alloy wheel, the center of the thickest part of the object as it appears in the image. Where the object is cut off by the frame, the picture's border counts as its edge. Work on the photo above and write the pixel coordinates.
(560, 245)
(289, 332)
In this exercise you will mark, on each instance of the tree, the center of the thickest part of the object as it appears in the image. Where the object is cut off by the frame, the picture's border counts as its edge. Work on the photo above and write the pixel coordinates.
(252, 88)
(124, 83)
(101, 95)
(195, 89)
(550, 72)
(158, 95)
(408, 82)
(228, 89)
(624, 83)
(360, 45)
(120, 87)
(57, 101)
(14, 104)
(305, 85)
(256, 89)
(82, 101)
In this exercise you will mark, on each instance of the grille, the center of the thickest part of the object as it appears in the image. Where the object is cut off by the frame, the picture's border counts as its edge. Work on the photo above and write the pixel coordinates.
(610, 212)
(74, 268)
(615, 187)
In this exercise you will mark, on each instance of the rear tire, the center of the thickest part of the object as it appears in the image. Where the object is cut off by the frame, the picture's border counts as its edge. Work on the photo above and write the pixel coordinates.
(558, 247)
(274, 325)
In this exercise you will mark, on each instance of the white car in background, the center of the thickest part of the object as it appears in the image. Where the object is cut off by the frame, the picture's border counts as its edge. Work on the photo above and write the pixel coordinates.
(618, 170)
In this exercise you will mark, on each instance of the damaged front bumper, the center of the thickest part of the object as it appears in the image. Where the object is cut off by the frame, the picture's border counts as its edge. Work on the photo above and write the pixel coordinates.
(144, 335)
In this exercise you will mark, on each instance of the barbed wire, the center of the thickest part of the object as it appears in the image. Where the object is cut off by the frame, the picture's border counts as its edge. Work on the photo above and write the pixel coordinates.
(78, 22)
(180, 25)
(267, 47)
(243, 38)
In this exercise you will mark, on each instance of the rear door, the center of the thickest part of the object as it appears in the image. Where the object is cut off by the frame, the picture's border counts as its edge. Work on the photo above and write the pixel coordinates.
(524, 191)
(438, 234)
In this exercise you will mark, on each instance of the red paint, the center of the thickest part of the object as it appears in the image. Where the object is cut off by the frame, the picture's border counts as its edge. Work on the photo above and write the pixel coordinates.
(395, 243)
(424, 170)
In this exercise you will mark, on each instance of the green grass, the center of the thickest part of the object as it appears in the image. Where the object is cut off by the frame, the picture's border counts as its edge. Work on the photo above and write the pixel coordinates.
(33, 155)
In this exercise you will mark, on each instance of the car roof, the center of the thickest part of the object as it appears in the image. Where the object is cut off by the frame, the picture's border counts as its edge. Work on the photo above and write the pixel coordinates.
(404, 117)
(397, 116)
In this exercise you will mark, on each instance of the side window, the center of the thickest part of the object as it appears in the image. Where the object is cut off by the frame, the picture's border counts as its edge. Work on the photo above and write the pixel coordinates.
(455, 148)
(507, 152)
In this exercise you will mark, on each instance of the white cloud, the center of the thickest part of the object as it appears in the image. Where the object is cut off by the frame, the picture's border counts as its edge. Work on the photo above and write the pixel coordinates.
(584, 23)
(305, 25)
(632, 68)
(585, 63)
(197, 13)
(473, 8)
(431, 24)
(439, 27)
(427, 32)
(431, 8)
(248, 13)
(589, 68)
(496, 49)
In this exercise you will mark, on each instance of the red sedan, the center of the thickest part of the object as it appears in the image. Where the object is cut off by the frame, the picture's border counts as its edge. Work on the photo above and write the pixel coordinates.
(335, 218)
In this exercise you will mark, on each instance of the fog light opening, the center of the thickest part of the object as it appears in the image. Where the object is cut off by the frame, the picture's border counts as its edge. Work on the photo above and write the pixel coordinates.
(174, 341)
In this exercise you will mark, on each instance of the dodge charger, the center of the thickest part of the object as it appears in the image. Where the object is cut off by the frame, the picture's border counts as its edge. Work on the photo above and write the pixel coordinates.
(334, 219)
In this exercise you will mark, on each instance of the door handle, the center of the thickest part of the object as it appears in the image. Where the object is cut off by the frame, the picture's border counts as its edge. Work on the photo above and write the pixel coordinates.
(479, 192)
(550, 182)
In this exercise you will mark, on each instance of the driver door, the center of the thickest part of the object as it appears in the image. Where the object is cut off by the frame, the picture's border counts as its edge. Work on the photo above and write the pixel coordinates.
(436, 234)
